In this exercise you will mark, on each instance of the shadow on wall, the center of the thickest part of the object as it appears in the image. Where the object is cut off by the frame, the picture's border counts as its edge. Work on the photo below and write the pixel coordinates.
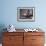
(2, 26)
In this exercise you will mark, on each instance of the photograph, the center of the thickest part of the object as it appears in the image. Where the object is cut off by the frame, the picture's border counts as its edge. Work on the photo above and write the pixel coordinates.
(25, 13)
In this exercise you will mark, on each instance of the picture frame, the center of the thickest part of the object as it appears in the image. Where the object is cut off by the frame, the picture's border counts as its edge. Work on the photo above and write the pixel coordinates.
(26, 14)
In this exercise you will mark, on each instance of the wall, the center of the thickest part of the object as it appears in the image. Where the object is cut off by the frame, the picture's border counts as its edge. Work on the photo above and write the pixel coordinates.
(8, 13)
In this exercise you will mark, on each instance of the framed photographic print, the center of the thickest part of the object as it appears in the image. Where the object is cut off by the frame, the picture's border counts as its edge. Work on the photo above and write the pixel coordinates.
(26, 14)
